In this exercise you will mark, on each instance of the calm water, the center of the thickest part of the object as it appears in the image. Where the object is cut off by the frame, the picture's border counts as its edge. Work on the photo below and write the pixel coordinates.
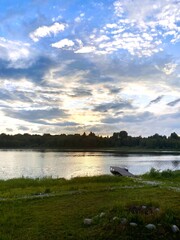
(14, 164)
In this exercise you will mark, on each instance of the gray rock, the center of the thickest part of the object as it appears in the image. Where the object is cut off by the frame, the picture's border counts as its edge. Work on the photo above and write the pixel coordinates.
(88, 221)
(175, 228)
(102, 214)
(132, 224)
(115, 219)
(150, 226)
(123, 220)
(144, 207)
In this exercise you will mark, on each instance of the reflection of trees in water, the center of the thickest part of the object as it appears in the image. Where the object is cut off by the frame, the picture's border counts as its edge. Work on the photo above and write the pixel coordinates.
(175, 163)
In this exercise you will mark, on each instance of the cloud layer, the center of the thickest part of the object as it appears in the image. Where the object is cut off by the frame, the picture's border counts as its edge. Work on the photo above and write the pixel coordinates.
(96, 66)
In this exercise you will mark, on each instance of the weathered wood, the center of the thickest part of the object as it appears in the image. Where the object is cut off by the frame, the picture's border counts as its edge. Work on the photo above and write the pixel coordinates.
(120, 171)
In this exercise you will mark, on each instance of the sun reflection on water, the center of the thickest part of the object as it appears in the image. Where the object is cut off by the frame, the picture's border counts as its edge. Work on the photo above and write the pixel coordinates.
(14, 164)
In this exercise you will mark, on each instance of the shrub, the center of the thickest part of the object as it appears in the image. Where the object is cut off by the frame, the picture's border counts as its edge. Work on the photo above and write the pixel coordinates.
(166, 174)
(154, 173)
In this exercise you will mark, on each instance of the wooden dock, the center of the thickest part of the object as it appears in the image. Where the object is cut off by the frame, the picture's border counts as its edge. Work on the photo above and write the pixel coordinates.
(120, 171)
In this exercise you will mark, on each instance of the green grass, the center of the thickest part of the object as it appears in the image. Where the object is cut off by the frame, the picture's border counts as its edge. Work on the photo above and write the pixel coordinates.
(35, 209)
(166, 174)
(167, 177)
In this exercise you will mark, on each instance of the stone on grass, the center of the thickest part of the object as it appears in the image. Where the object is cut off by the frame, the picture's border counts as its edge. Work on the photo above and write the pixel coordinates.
(102, 214)
(150, 226)
(88, 221)
(175, 228)
(144, 207)
(133, 224)
(123, 220)
(115, 218)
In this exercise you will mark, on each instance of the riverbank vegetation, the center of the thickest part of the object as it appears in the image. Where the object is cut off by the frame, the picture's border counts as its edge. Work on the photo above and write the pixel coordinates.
(119, 140)
(99, 207)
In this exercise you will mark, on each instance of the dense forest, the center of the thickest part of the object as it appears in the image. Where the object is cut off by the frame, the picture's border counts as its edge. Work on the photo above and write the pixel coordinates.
(89, 141)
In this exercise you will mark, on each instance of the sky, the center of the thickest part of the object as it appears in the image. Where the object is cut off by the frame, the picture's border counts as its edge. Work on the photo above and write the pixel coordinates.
(78, 66)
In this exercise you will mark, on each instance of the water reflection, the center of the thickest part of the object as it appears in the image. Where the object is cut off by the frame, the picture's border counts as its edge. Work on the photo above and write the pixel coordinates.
(35, 164)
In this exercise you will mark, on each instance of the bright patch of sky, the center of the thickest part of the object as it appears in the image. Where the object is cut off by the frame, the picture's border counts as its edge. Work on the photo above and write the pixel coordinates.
(103, 66)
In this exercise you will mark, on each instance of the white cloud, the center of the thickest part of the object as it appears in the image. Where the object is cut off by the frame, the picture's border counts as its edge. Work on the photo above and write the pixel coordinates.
(79, 42)
(135, 44)
(118, 8)
(44, 31)
(79, 18)
(14, 50)
(169, 68)
(102, 38)
(151, 14)
(111, 25)
(86, 49)
(54, 19)
(63, 43)
(139, 27)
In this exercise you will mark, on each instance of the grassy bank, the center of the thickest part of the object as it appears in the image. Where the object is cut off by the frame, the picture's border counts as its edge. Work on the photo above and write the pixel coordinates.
(56, 208)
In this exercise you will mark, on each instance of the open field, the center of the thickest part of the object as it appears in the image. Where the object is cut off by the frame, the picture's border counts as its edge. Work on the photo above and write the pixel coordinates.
(56, 208)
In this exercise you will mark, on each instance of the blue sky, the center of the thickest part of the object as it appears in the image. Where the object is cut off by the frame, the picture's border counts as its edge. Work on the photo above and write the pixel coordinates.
(103, 66)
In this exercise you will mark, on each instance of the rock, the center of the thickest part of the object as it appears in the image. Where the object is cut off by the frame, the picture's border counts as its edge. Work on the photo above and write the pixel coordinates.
(150, 226)
(144, 207)
(175, 228)
(102, 214)
(132, 224)
(115, 218)
(123, 220)
(88, 221)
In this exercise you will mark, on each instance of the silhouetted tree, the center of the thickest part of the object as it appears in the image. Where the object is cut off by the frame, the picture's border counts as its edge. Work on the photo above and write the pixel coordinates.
(63, 141)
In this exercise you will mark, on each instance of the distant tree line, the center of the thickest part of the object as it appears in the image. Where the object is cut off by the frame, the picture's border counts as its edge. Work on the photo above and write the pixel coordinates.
(89, 141)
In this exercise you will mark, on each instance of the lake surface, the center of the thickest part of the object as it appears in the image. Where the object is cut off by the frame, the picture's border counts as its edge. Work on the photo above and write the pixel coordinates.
(33, 164)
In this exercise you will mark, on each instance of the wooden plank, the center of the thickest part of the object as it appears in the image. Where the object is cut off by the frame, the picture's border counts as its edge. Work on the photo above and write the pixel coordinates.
(120, 171)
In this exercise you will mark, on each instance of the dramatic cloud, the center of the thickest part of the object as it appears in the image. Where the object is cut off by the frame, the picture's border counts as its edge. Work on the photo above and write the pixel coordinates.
(156, 100)
(46, 116)
(34, 71)
(113, 89)
(117, 105)
(98, 66)
(130, 118)
(81, 93)
(12, 96)
(173, 103)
